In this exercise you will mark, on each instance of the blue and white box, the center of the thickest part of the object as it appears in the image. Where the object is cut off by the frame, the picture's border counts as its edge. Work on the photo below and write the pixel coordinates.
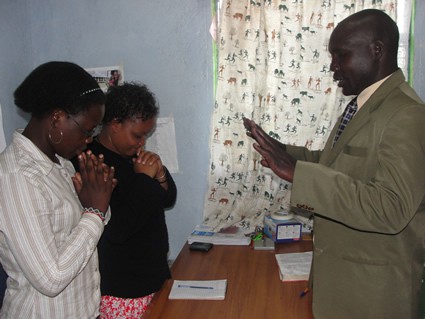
(282, 231)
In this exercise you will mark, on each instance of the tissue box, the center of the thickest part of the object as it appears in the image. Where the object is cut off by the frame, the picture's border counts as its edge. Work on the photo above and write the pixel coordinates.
(282, 231)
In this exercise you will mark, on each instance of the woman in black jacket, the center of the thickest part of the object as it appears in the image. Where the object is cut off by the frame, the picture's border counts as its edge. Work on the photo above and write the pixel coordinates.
(134, 246)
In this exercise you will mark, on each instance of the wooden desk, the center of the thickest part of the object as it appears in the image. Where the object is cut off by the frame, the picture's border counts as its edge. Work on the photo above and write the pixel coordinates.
(254, 289)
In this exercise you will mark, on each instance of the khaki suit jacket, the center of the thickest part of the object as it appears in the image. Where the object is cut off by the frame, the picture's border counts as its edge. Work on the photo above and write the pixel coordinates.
(367, 193)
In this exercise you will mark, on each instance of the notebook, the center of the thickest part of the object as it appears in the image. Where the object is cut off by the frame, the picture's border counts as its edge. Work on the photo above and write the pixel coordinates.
(228, 236)
(294, 266)
(198, 289)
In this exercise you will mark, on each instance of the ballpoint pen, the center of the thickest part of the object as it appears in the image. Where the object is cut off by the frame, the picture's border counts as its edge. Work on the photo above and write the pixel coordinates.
(197, 287)
(304, 292)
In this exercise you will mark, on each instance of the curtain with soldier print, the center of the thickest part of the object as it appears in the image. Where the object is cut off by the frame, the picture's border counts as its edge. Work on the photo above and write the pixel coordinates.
(273, 67)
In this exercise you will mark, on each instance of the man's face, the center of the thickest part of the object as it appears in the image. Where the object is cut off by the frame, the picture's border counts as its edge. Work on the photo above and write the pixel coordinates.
(353, 61)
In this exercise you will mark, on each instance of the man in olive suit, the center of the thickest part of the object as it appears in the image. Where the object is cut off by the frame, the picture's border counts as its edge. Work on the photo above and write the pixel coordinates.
(367, 186)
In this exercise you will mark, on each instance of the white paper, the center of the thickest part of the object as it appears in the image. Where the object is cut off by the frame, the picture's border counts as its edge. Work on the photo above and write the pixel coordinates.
(199, 289)
(163, 143)
(294, 266)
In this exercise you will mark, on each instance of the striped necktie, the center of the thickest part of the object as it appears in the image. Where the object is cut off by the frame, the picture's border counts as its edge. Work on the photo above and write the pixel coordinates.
(348, 114)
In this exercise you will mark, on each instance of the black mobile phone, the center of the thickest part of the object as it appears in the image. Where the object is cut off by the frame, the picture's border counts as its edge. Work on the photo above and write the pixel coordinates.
(198, 246)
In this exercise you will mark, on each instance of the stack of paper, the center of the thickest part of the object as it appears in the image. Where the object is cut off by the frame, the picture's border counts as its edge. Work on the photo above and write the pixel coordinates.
(198, 289)
(294, 266)
(229, 236)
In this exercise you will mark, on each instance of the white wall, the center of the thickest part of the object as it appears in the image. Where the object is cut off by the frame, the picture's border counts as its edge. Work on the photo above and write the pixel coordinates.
(15, 59)
(419, 60)
(162, 43)
(165, 44)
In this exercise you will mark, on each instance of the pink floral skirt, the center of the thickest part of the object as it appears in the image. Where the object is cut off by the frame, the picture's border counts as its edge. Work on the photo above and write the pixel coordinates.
(123, 308)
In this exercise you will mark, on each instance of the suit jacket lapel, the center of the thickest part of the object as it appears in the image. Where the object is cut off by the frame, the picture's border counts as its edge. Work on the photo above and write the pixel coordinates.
(361, 118)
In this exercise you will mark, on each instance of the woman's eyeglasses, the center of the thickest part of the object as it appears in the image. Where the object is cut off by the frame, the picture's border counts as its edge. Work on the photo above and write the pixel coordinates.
(86, 133)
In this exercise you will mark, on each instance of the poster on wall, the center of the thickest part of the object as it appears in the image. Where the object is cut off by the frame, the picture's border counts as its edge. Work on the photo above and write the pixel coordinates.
(107, 76)
(163, 143)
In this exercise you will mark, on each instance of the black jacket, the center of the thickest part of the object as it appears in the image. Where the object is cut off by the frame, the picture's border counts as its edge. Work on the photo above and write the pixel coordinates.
(134, 246)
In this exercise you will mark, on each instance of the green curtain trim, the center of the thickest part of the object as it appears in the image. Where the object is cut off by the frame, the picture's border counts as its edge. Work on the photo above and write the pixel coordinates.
(412, 44)
(214, 49)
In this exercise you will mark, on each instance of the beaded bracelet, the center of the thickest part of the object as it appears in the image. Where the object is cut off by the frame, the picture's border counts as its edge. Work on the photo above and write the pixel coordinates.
(91, 210)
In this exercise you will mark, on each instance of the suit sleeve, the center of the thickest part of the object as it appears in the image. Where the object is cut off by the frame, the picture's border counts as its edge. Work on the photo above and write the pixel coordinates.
(303, 154)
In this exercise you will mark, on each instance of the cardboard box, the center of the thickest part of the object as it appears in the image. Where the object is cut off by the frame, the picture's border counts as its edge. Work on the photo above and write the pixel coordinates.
(282, 231)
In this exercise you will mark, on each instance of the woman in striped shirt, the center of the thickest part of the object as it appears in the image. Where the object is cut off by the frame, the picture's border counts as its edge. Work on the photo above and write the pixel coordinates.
(50, 217)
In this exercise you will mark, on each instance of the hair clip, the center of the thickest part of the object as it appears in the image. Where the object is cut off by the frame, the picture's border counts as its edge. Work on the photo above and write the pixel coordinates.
(89, 91)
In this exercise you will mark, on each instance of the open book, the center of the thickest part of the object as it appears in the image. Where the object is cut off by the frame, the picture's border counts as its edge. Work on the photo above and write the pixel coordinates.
(198, 289)
(228, 236)
(294, 266)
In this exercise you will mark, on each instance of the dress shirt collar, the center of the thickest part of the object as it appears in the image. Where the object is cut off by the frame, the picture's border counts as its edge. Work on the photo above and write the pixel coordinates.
(36, 155)
(367, 92)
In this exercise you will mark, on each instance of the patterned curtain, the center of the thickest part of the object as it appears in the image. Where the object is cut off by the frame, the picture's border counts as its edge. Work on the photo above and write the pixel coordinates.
(273, 67)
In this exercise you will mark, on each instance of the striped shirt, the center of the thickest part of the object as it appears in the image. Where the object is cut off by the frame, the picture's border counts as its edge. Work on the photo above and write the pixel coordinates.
(47, 248)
